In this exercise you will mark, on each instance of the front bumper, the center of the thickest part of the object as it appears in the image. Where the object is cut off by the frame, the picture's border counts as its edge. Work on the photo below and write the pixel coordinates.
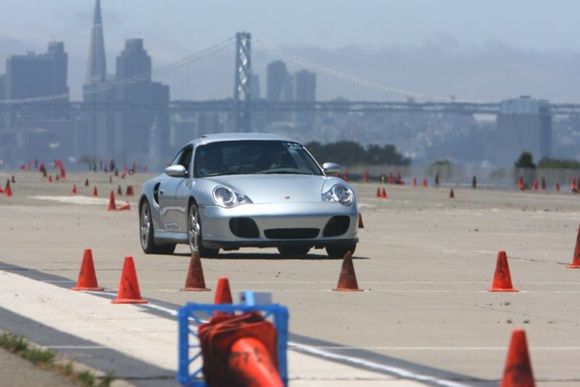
(217, 232)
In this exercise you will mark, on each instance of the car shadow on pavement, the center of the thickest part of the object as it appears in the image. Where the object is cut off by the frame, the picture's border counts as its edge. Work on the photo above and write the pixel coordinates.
(274, 256)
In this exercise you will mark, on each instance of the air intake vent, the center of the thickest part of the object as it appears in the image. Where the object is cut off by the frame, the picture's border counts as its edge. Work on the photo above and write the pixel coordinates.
(337, 225)
(291, 233)
(244, 228)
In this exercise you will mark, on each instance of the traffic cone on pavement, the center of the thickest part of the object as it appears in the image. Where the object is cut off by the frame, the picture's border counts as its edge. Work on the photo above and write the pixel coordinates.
(74, 190)
(130, 190)
(13, 179)
(87, 278)
(576, 258)
(119, 190)
(451, 194)
(384, 194)
(124, 207)
(95, 192)
(86, 182)
(223, 294)
(347, 278)
(112, 204)
(50, 178)
(360, 221)
(379, 192)
(8, 189)
(518, 368)
(194, 280)
(502, 281)
(129, 286)
(252, 364)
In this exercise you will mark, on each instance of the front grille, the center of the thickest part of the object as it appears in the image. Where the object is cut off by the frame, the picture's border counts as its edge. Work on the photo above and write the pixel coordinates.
(244, 228)
(337, 225)
(291, 233)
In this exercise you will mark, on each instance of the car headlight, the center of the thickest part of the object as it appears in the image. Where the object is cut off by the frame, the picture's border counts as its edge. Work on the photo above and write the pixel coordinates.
(339, 193)
(228, 198)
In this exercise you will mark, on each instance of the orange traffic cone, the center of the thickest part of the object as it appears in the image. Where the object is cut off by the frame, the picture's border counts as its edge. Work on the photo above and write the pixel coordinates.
(251, 363)
(129, 286)
(124, 207)
(379, 192)
(130, 190)
(74, 190)
(50, 178)
(360, 221)
(502, 281)
(384, 194)
(95, 192)
(194, 280)
(87, 278)
(347, 279)
(86, 182)
(223, 294)
(112, 205)
(576, 258)
(557, 187)
(424, 182)
(451, 194)
(518, 368)
(8, 189)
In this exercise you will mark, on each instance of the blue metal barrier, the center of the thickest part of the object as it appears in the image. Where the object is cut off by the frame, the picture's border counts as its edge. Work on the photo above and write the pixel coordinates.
(192, 315)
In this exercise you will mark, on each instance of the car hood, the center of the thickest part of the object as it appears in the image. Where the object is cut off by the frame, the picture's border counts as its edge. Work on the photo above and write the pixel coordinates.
(276, 188)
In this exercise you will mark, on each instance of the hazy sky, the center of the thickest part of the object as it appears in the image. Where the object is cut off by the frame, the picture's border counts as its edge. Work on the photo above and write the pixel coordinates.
(175, 28)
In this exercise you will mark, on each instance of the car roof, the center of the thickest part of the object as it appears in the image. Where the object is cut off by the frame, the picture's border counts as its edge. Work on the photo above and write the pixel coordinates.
(218, 137)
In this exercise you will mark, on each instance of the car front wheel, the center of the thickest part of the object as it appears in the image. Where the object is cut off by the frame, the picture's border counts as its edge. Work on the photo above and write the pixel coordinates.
(194, 234)
(147, 233)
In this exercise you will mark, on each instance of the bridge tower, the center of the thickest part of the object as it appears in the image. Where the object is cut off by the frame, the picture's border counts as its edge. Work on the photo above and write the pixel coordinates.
(242, 82)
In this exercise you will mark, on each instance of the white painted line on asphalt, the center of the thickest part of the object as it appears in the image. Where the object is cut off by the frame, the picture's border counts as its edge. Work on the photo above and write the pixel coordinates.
(401, 372)
(76, 347)
(387, 348)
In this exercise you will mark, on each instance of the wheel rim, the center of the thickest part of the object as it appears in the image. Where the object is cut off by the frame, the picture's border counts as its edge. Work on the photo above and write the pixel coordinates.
(194, 229)
(145, 225)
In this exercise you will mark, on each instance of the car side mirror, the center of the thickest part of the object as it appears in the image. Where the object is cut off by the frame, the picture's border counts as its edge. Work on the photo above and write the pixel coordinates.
(331, 168)
(176, 171)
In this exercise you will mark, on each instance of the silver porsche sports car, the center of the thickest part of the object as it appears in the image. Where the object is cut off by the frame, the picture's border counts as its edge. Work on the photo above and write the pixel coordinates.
(226, 191)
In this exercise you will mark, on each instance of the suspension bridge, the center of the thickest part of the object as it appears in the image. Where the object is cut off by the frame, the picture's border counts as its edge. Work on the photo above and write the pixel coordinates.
(192, 90)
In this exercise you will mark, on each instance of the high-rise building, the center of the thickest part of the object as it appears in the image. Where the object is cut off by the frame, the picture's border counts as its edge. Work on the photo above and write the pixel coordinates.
(97, 66)
(133, 78)
(95, 136)
(279, 86)
(33, 76)
(305, 91)
(523, 124)
(305, 86)
(38, 75)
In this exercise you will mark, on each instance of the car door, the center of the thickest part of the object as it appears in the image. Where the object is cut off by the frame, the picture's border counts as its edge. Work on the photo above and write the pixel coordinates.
(175, 210)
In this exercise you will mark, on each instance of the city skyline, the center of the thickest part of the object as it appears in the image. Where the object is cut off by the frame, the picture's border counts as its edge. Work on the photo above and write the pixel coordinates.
(536, 62)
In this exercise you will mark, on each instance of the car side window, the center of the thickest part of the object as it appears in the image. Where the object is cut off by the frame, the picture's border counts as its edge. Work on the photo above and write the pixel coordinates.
(185, 158)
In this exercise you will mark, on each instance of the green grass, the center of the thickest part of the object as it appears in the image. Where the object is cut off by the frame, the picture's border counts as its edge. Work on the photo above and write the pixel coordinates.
(46, 358)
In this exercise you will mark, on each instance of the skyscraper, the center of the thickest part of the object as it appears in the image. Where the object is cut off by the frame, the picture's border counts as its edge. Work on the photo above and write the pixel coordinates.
(96, 134)
(97, 66)
(305, 91)
(133, 77)
(279, 86)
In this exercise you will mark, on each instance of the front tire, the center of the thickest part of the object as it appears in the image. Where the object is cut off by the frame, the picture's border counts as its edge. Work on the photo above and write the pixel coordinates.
(339, 251)
(147, 233)
(194, 234)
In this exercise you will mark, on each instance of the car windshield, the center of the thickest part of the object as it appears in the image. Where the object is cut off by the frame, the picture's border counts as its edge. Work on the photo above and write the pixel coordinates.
(253, 157)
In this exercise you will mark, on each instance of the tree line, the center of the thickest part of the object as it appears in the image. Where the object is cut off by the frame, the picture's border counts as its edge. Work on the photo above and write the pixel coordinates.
(351, 153)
